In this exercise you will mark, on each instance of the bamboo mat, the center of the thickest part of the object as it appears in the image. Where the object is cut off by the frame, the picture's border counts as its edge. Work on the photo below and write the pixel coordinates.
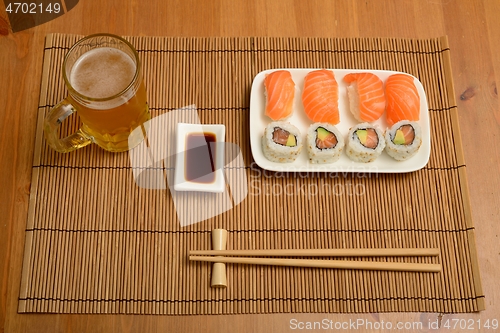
(98, 243)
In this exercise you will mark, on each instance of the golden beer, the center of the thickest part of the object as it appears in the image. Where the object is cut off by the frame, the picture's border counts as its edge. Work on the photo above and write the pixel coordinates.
(104, 80)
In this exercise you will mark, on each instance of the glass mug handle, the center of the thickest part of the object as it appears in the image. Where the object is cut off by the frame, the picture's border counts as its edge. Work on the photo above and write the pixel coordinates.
(51, 126)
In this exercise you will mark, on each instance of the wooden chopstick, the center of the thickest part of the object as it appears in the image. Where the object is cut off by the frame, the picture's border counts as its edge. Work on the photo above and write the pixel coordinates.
(340, 264)
(393, 252)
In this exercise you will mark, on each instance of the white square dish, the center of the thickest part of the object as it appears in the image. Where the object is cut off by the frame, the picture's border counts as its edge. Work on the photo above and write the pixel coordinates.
(201, 152)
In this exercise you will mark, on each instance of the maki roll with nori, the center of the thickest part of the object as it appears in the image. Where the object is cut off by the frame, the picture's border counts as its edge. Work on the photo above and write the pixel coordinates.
(364, 143)
(281, 142)
(324, 143)
(403, 140)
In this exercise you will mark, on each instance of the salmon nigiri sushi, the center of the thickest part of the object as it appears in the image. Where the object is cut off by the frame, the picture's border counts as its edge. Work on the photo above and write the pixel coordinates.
(403, 101)
(320, 97)
(280, 92)
(366, 96)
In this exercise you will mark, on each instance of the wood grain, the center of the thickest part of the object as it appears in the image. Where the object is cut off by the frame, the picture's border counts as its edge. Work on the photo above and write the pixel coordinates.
(473, 29)
(338, 264)
(356, 252)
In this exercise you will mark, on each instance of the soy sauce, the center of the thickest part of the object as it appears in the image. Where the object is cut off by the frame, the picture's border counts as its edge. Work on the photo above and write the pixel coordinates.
(200, 158)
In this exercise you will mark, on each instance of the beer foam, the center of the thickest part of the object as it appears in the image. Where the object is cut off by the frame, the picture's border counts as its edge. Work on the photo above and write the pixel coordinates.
(102, 72)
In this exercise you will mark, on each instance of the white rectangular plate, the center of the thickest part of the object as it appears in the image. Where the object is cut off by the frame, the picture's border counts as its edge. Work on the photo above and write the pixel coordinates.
(384, 163)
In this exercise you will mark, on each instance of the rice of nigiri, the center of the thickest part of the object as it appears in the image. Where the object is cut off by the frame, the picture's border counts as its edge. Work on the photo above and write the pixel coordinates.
(366, 96)
(403, 101)
(280, 92)
(403, 140)
(320, 97)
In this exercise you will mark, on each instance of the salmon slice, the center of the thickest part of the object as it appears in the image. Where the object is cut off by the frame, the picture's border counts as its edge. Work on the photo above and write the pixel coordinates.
(408, 133)
(320, 97)
(327, 142)
(280, 91)
(403, 101)
(366, 96)
(369, 139)
(280, 136)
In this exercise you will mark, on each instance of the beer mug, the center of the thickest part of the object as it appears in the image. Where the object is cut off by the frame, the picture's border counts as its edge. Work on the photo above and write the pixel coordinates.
(103, 77)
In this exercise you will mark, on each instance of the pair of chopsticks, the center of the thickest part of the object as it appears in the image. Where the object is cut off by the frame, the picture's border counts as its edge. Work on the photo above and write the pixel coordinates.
(238, 257)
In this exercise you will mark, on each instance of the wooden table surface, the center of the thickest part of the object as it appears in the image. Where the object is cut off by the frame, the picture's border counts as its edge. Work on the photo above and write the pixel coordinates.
(473, 29)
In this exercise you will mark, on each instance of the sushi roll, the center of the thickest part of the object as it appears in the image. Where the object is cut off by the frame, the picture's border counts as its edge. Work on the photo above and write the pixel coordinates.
(366, 96)
(324, 143)
(320, 97)
(403, 140)
(281, 142)
(364, 143)
(280, 92)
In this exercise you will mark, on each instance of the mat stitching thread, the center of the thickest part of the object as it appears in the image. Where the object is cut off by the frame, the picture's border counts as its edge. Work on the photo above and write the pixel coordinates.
(447, 108)
(239, 108)
(156, 108)
(273, 50)
(79, 167)
(248, 231)
(204, 108)
(446, 168)
(252, 299)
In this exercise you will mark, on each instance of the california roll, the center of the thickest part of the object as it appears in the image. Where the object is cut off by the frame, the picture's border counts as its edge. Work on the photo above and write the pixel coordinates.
(281, 142)
(365, 143)
(324, 143)
(403, 140)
